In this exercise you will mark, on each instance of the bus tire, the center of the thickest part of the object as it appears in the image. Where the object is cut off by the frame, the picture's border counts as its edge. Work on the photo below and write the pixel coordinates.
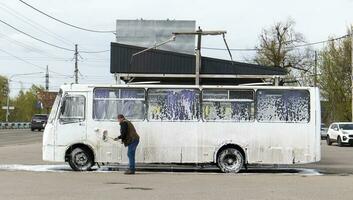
(230, 160)
(339, 141)
(81, 159)
(328, 140)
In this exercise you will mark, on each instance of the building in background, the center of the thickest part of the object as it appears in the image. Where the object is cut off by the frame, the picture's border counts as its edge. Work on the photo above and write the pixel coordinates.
(46, 99)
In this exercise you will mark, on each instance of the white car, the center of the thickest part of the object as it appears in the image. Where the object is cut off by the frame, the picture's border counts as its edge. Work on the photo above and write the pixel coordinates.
(340, 132)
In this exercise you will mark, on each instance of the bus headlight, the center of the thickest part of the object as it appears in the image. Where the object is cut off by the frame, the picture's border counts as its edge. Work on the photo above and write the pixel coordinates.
(344, 137)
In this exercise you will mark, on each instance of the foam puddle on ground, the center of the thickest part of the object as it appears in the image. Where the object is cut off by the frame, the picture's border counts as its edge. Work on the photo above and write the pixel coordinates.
(104, 169)
(35, 168)
(309, 172)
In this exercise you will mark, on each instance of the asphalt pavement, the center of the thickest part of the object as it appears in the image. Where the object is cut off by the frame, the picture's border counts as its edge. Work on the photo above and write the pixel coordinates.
(24, 175)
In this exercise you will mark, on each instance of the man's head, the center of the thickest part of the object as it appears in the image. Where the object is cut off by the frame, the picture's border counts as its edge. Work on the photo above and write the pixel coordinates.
(120, 118)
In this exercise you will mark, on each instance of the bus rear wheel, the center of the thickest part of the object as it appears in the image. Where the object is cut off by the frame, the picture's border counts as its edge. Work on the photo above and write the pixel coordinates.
(230, 160)
(80, 159)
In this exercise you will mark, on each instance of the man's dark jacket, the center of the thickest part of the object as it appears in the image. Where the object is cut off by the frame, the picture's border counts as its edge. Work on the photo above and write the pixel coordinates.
(128, 132)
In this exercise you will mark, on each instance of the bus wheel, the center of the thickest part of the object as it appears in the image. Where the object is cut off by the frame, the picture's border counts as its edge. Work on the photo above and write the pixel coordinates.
(80, 159)
(230, 160)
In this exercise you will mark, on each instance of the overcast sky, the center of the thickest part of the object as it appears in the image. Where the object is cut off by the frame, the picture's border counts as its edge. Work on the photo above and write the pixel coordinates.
(243, 20)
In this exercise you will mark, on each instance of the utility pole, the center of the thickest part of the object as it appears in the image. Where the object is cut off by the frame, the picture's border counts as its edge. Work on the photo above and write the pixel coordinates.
(47, 79)
(315, 70)
(76, 65)
(8, 101)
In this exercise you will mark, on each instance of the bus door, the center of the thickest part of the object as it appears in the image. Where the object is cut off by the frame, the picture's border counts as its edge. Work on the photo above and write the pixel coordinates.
(72, 122)
(104, 132)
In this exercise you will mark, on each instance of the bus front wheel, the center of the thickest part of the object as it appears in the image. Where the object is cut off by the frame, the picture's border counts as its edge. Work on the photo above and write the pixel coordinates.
(230, 160)
(80, 159)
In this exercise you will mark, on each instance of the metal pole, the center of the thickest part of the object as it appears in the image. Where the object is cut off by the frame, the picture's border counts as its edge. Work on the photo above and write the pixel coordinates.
(8, 101)
(315, 70)
(352, 68)
(76, 65)
(117, 75)
(198, 57)
(47, 79)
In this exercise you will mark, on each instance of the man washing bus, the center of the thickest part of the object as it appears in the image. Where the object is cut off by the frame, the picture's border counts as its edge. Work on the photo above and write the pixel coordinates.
(130, 138)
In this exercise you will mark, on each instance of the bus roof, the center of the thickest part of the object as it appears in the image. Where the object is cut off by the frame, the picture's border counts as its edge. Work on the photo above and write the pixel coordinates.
(88, 87)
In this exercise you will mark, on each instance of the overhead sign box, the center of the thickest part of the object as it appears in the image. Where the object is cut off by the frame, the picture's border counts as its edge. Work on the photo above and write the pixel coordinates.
(147, 33)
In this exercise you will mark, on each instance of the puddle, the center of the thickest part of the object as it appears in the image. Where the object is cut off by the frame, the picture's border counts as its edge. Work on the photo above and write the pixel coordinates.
(110, 169)
(137, 188)
(115, 183)
(36, 168)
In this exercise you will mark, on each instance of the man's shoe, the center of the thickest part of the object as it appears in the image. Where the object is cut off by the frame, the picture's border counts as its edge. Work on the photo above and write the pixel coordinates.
(128, 172)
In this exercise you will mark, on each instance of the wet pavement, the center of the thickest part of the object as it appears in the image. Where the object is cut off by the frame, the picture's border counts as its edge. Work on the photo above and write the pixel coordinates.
(25, 176)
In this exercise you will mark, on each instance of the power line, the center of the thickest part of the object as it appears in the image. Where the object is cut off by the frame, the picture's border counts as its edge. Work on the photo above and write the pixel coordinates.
(48, 43)
(40, 27)
(66, 23)
(320, 42)
(35, 38)
(28, 47)
(103, 51)
(34, 24)
(293, 47)
(224, 49)
(23, 60)
(25, 46)
(37, 66)
(40, 59)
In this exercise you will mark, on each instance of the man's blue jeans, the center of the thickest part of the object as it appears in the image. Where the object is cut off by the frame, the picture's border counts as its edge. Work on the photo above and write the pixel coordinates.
(131, 149)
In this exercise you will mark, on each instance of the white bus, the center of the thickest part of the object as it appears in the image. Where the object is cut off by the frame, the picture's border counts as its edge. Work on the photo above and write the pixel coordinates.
(230, 126)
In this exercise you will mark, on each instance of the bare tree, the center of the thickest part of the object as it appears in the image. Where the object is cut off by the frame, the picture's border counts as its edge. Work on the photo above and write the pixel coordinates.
(279, 47)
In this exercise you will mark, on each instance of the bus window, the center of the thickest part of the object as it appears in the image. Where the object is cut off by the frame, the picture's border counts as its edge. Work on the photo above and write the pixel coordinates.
(109, 102)
(72, 109)
(173, 104)
(228, 105)
(283, 106)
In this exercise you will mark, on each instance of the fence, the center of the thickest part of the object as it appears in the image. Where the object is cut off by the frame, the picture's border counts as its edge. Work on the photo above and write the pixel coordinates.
(15, 125)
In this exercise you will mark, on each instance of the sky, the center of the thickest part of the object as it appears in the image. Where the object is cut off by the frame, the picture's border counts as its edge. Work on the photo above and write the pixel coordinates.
(243, 20)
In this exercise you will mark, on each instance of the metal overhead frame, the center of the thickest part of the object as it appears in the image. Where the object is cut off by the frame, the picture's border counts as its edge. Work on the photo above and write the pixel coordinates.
(127, 76)
(199, 33)
(196, 75)
(275, 79)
